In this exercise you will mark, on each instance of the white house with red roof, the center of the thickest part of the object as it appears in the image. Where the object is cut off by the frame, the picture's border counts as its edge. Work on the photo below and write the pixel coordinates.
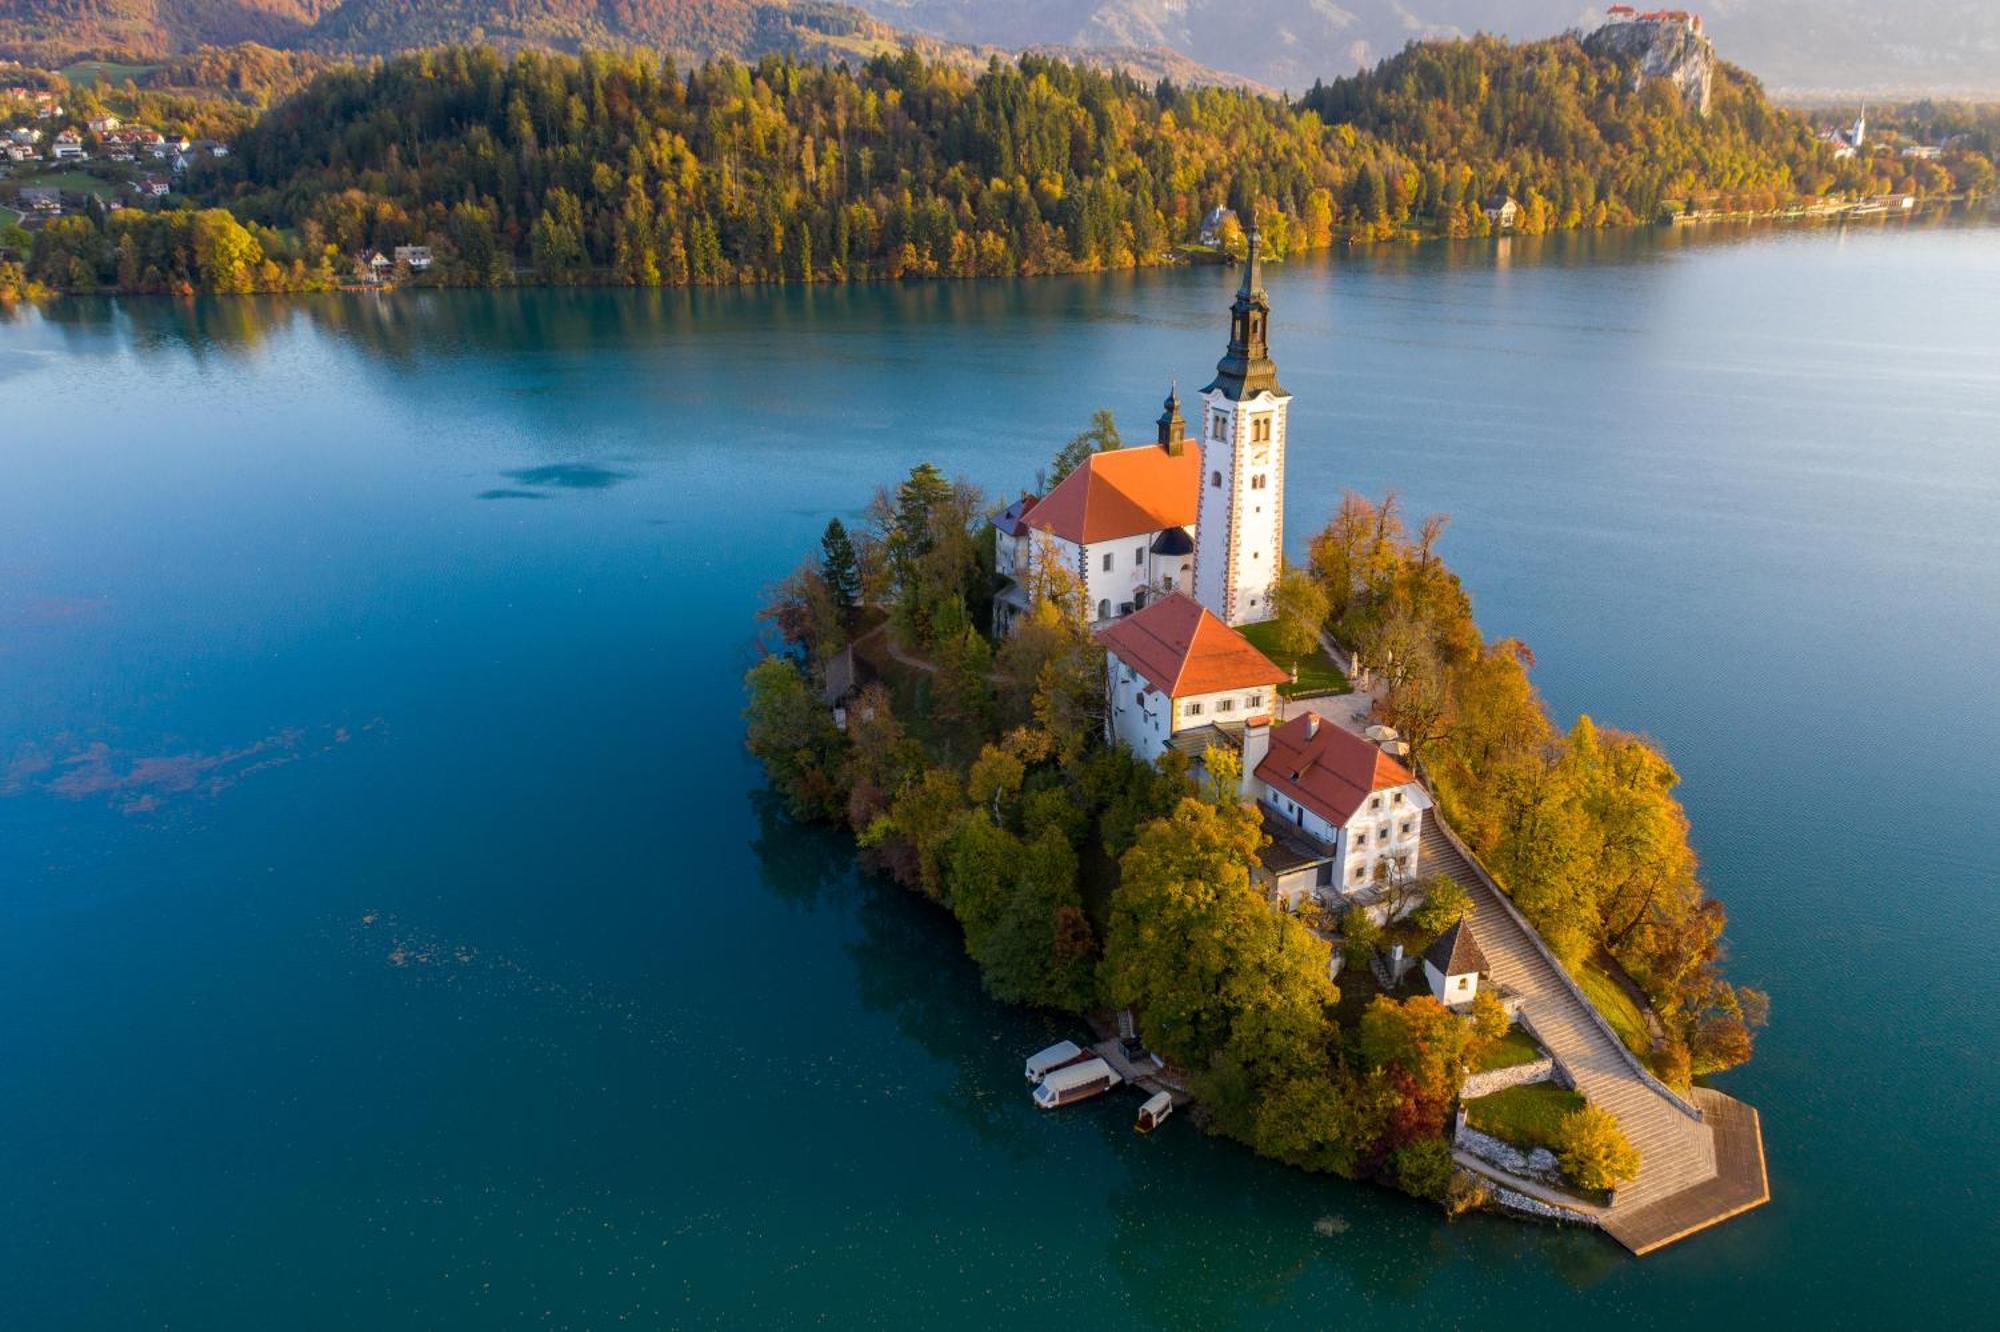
(1177, 676)
(1123, 520)
(1342, 815)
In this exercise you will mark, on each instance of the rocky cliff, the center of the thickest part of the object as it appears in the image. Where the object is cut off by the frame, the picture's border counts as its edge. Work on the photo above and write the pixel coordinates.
(1661, 49)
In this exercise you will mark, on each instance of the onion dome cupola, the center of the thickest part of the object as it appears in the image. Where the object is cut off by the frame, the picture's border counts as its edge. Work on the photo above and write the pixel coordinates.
(1246, 370)
(1173, 428)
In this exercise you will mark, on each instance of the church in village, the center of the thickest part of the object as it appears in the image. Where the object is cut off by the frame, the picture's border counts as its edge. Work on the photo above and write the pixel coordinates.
(1176, 545)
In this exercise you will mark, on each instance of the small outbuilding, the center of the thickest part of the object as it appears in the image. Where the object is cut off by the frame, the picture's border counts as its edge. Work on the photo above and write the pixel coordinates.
(1453, 966)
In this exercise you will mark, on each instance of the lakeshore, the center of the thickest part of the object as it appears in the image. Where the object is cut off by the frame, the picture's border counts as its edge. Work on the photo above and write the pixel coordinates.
(587, 1116)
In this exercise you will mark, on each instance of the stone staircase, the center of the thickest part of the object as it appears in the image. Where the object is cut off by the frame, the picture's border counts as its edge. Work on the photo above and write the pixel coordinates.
(1676, 1147)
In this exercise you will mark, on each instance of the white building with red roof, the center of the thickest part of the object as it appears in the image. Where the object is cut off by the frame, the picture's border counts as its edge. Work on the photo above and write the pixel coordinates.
(1123, 521)
(1177, 676)
(1343, 816)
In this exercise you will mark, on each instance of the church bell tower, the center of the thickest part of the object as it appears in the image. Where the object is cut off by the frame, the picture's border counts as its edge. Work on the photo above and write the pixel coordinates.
(1240, 529)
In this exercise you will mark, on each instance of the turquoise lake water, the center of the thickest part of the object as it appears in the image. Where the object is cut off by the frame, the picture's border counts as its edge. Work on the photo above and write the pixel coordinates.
(393, 933)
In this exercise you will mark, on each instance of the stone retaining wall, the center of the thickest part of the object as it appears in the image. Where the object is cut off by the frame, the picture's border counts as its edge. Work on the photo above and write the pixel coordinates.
(1500, 1079)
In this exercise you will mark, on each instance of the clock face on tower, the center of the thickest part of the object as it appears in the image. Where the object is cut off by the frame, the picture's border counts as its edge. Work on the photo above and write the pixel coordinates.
(1260, 454)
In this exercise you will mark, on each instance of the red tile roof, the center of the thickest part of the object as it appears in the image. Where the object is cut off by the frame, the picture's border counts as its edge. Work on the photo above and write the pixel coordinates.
(1181, 649)
(1122, 493)
(1328, 770)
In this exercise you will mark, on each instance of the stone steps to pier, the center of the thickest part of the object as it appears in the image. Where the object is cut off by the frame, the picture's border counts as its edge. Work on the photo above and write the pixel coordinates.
(1680, 1187)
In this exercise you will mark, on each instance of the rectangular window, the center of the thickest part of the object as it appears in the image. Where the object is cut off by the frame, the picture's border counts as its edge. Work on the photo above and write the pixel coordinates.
(1139, 555)
(1225, 705)
(1359, 871)
(1254, 701)
(1257, 481)
(1396, 799)
(1215, 426)
(1260, 429)
(1406, 827)
(1191, 710)
(1375, 802)
(1107, 561)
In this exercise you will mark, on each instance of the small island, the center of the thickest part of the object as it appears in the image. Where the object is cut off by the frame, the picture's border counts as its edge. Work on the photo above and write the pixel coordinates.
(1299, 842)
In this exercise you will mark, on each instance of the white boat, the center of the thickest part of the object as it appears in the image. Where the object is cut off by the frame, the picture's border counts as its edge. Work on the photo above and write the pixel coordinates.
(1155, 1111)
(1075, 1082)
(1042, 1062)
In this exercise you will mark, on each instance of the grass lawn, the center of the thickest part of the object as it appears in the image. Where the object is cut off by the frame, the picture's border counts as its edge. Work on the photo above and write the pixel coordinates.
(1516, 1047)
(104, 71)
(72, 182)
(1524, 1116)
(1617, 1007)
(1315, 670)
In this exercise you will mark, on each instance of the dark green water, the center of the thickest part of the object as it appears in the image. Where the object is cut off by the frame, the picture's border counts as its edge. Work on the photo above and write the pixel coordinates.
(392, 933)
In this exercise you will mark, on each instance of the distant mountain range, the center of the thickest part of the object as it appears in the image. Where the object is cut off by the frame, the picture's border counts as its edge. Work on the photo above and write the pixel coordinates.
(1796, 46)
(53, 32)
(1881, 46)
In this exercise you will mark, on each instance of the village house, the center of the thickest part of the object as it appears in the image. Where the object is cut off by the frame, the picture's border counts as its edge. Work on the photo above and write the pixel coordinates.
(67, 146)
(41, 199)
(1344, 817)
(154, 187)
(1178, 677)
(24, 134)
(1502, 211)
(417, 257)
(104, 124)
(1215, 226)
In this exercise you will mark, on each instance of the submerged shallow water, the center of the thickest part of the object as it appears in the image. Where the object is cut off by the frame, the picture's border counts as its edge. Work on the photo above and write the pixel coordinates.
(393, 932)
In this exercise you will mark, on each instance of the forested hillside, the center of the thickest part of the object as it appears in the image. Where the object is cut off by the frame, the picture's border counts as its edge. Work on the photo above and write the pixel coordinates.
(624, 168)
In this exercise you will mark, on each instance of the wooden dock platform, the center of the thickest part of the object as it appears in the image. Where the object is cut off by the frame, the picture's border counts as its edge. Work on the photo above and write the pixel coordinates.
(1741, 1182)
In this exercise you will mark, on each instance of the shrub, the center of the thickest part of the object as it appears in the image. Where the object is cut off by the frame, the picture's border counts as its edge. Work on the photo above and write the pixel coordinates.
(1489, 1016)
(1424, 1169)
(1444, 902)
(1593, 1151)
(1359, 934)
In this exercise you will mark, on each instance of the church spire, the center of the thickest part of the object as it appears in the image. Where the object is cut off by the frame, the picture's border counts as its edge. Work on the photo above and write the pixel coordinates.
(1173, 429)
(1245, 370)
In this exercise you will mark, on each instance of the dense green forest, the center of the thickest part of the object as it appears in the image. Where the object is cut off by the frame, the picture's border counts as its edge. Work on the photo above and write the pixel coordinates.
(624, 168)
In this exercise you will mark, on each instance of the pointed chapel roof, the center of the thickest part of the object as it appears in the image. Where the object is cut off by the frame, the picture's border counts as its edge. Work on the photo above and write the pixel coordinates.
(1123, 492)
(1182, 649)
(1456, 952)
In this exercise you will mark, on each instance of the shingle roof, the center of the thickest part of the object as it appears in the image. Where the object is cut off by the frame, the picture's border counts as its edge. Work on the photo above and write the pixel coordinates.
(1456, 952)
(1328, 770)
(1121, 493)
(1181, 649)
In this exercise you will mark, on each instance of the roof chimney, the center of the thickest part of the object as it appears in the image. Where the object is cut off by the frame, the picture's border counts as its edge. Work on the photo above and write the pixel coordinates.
(1312, 725)
(1256, 744)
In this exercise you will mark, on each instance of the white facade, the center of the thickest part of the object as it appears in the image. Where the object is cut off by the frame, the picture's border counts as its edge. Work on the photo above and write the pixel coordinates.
(1144, 719)
(1453, 990)
(1240, 531)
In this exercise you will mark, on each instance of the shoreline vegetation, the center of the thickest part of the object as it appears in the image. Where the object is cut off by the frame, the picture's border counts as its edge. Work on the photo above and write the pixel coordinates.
(623, 168)
(976, 773)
